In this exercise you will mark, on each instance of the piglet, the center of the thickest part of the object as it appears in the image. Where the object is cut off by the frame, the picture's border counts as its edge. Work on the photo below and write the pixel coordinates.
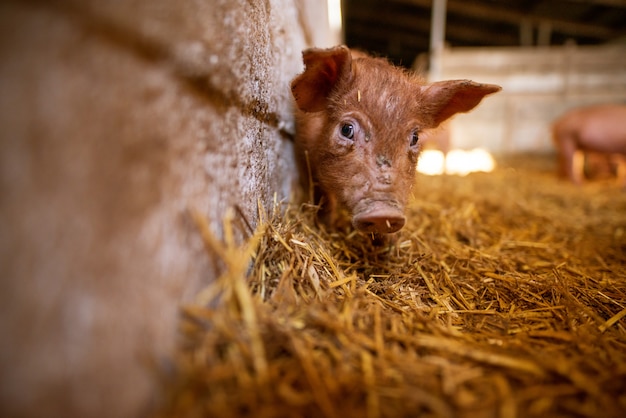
(593, 129)
(358, 126)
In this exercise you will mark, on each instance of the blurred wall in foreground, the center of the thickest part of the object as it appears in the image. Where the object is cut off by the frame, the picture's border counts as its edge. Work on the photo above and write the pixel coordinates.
(116, 119)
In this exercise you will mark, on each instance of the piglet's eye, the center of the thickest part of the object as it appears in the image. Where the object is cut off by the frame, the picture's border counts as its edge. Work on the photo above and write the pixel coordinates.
(347, 131)
(414, 139)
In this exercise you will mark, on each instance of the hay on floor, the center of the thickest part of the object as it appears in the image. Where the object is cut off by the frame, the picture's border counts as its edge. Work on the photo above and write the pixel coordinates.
(503, 296)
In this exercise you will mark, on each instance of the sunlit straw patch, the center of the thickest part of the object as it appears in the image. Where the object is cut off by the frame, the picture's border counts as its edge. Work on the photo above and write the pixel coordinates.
(459, 162)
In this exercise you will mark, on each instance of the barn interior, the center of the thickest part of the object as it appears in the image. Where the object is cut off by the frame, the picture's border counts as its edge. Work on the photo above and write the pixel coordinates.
(505, 293)
(549, 57)
(401, 29)
(158, 258)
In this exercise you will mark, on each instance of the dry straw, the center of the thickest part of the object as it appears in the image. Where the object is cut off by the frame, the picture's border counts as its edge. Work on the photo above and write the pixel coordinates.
(503, 296)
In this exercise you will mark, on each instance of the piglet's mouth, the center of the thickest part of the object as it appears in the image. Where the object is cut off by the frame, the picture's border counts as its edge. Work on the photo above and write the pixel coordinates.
(379, 217)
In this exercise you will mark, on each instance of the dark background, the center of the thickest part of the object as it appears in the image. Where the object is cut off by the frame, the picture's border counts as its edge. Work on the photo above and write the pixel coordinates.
(400, 29)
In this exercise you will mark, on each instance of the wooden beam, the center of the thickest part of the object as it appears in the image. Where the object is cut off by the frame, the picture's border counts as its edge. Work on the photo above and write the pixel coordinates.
(382, 34)
(405, 21)
(516, 18)
(420, 24)
(609, 3)
(437, 38)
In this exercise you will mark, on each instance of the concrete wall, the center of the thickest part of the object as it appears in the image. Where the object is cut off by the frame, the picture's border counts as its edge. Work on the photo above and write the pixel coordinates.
(539, 84)
(116, 118)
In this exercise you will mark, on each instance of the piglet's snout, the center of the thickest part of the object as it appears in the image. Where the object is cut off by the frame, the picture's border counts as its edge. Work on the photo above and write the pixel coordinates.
(379, 218)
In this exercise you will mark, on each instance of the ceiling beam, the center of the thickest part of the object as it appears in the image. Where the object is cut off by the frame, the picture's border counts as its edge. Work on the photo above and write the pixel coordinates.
(610, 3)
(513, 17)
(388, 21)
(383, 34)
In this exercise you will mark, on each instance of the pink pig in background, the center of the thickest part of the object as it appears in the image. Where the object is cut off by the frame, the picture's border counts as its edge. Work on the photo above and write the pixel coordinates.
(358, 127)
(591, 130)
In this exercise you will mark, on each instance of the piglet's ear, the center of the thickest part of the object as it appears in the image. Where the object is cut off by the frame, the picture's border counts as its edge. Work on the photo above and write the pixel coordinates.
(446, 98)
(324, 68)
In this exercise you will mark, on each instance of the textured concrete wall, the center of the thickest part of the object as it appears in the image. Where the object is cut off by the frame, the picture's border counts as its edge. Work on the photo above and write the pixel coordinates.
(116, 118)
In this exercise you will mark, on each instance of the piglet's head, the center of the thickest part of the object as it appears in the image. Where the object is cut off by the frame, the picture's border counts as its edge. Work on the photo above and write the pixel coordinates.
(364, 144)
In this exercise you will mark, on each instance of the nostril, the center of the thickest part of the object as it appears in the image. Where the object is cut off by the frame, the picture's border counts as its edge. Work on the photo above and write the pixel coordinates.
(394, 224)
(367, 225)
(379, 223)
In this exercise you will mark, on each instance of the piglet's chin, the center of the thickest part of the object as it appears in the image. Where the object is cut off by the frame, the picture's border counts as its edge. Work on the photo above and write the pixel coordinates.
(379, 217)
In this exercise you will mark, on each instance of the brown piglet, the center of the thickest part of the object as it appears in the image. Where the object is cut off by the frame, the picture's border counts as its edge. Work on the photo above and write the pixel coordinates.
(358, 124)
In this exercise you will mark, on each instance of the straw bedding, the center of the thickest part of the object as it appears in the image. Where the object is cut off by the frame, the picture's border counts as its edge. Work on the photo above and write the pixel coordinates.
(503, 296)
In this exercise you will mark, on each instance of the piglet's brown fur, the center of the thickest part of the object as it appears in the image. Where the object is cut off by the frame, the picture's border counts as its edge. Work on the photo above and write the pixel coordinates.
(359, 120)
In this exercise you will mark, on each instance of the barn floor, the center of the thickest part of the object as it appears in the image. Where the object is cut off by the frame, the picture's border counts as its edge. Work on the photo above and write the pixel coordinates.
(504, 296)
